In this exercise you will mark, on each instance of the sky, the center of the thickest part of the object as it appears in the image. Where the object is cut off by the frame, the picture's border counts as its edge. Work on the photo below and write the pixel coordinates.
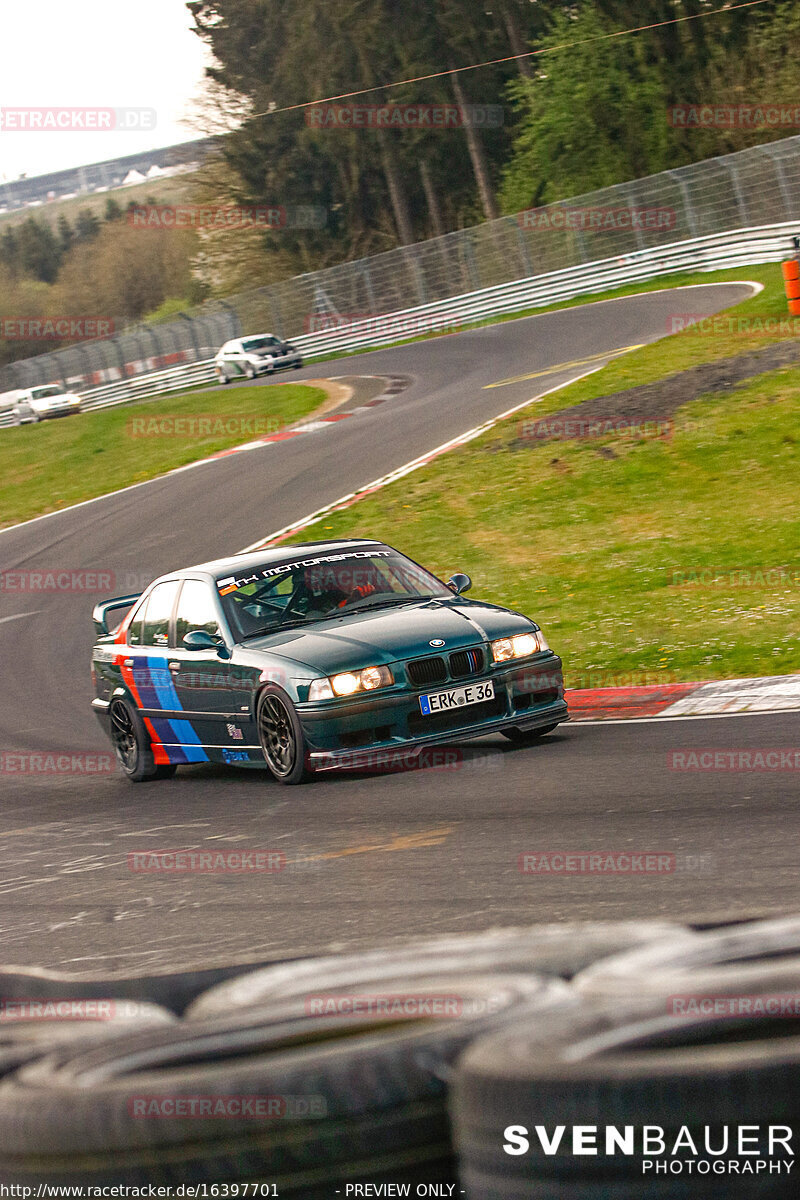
(96, 54)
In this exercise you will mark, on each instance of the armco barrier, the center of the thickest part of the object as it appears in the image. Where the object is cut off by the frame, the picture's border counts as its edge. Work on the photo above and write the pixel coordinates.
(734, 248)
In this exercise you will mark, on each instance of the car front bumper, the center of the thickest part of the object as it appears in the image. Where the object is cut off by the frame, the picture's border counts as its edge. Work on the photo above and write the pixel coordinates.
(353, 732)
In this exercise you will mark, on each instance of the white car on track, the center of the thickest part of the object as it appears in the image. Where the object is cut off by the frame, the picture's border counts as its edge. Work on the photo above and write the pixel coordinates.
(249, 357)
(42, 404)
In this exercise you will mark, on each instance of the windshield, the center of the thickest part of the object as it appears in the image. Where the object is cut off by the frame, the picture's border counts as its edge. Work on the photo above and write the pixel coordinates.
(299, 591)
(260, 343)
(43, 393)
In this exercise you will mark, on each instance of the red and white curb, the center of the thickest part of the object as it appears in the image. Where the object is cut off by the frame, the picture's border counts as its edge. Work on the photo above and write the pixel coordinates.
(282, 436)
(776, 693)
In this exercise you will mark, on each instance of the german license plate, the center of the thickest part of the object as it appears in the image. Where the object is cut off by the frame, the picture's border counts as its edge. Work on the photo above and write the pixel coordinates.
(437, 702)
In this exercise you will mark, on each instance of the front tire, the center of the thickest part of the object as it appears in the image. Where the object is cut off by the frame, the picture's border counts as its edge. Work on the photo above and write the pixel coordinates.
(283, 742)
(222, 377)
(522, 737)
(250, 371)
(132, 746)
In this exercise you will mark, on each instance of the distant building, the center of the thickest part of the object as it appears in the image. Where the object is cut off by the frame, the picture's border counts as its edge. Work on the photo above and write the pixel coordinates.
(104, 176)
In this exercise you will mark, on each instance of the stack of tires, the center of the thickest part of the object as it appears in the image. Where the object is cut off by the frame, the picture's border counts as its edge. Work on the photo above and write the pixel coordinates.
(696, 1038)
(493, 1065)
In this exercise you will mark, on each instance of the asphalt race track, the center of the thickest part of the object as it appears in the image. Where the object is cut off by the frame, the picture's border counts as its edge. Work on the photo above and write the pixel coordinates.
(367, 858)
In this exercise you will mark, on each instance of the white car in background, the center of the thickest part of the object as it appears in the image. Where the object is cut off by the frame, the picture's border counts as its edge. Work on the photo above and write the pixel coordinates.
(261, 354)
(42, 404)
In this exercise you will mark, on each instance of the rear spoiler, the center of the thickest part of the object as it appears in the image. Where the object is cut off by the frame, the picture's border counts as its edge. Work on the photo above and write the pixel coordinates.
(101, 611)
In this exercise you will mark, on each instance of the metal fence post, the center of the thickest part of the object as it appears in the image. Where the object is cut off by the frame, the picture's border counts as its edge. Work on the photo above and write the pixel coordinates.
(688, 207)
(786, 193)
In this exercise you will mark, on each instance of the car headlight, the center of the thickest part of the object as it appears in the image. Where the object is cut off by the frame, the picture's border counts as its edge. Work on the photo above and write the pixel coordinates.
(350, 682)
(521, 646)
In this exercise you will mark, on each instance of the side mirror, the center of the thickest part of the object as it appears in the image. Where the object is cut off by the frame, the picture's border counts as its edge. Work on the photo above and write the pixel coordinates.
(198, 639)
(459, 584)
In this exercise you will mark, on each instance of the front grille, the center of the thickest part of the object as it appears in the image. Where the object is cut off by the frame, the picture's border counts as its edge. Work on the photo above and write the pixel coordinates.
(424, 671)
(466, 662)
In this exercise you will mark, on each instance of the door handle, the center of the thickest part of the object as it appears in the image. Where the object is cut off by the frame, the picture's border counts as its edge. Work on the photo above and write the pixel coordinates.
(174, 666)
(128, 662)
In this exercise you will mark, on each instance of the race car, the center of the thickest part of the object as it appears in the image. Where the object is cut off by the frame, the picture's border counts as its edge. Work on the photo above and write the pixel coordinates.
(43, 404)
(250, 357)
(324, 656)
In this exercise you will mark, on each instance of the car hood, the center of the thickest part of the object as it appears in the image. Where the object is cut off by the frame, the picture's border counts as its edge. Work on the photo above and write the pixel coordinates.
(384, 636)
(46, 403)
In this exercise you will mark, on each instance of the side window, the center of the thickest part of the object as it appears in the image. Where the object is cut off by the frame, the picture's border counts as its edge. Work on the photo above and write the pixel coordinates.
(196, 610)
(135, 627)
(159, 611)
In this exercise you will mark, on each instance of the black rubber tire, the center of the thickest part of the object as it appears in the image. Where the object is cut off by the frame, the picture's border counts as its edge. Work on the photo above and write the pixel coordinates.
(288, 730)
(757, 957)
(173, 990)
(561, 950)
(491, 1187)
(380, 1080)
(223, 378)
(22, 1041)
(136, 763)
(619, 1065)
(522, 736)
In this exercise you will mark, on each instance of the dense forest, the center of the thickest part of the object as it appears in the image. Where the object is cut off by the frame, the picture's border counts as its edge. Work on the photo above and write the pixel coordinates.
(584, 111)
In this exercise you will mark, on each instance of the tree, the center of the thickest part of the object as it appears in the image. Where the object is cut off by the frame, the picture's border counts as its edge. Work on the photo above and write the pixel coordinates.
(592, 115)
(87, 226)
(39, 254)
(66, 235)
(113, 210)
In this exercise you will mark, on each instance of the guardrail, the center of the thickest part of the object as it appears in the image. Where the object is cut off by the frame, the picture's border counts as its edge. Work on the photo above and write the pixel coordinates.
(735, 248)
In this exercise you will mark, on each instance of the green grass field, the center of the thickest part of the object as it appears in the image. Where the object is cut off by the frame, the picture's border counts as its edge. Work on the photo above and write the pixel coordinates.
(590, 545)
(57, 463)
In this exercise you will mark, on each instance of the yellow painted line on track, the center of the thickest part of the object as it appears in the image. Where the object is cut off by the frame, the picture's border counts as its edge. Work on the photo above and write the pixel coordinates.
(567, 366)
(409, 841)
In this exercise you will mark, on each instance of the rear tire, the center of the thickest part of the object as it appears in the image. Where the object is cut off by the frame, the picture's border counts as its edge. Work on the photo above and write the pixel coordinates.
(282, 739)
(132, 746)
(521, 737)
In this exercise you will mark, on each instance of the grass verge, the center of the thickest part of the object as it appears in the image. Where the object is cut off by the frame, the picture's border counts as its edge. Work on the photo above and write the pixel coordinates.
(49, 466)
(644, 560)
